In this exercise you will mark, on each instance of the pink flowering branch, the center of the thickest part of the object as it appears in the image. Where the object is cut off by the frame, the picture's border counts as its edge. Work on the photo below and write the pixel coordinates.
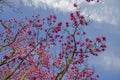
(44, 48)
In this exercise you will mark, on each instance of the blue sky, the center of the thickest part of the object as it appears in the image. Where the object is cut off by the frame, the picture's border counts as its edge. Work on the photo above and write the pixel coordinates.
(106, 22)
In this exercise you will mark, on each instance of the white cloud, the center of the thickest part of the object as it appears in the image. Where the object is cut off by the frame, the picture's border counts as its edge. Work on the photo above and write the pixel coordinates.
(104, 12)
(109, 62)
(62, 5)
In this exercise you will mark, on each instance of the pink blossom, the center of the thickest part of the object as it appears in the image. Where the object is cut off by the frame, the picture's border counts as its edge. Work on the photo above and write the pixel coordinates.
(75, 5)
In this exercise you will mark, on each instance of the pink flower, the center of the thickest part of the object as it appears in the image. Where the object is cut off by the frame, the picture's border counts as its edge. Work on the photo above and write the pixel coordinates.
(88, 0)
(103, 47)
(67, 24)
(76, 23)
(87, 39)
(78, 13)
(75, 5)
(54, 16)
(81, 22)
(82, 44)
(97, 76)
(20, 58)
(104, 38)
(89, 72)
(98, 0)
(81, 17)
(78, 33)
(98, 40)
(60, 24)
(6, 57)
(38, 21)
(29, 32)
(81, 50)
(30, 21)
(71, 14)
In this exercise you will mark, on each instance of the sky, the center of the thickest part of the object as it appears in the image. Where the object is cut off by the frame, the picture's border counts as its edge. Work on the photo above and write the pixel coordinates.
(106, 22)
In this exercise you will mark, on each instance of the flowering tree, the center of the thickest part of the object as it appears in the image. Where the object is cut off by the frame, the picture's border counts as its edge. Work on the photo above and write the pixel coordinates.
(46, 49)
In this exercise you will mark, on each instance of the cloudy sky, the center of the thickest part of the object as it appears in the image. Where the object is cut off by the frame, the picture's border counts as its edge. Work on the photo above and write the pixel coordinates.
(106, 22)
